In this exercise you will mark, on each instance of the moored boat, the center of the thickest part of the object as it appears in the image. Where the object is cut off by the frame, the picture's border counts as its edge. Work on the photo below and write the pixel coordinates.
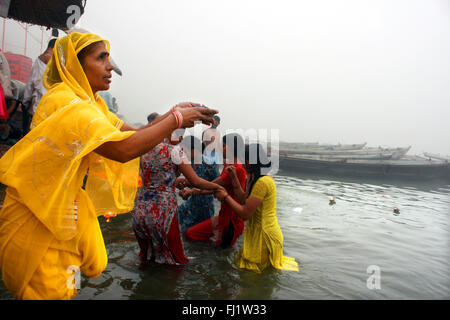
(339, 157)
(316, 147)
(348, 152)
(436, 156)
(410, 169)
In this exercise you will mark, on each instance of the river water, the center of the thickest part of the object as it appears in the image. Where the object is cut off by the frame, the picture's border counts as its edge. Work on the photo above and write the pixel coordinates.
(357, 248)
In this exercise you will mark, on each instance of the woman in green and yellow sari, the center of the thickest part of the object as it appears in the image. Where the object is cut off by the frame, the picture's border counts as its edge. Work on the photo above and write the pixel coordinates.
(48, 224)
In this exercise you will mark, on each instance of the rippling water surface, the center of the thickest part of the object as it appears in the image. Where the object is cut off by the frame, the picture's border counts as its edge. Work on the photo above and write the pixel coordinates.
(334, 245)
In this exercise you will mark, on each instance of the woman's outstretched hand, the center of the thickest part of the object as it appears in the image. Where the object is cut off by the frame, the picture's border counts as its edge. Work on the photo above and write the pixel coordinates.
(192, 114)
(181, 183)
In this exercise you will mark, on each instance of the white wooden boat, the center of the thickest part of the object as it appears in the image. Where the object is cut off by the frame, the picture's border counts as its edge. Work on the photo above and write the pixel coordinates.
(342, 157)
(343, 147)
(315, 147)
(398, 153)
(436, 156)
(300, 145)
(409, 169)
(335, 152)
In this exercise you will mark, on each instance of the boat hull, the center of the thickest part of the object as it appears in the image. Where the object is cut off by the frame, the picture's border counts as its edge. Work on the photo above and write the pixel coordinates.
(394, 169)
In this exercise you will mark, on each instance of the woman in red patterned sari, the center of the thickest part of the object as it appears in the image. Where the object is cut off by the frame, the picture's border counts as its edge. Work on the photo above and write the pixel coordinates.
(155, 221)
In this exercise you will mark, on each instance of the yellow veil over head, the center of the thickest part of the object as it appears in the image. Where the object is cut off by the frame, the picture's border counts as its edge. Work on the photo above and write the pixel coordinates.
(65, 66)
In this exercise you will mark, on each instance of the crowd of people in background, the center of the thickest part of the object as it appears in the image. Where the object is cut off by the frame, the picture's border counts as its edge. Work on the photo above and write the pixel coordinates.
(17, 97)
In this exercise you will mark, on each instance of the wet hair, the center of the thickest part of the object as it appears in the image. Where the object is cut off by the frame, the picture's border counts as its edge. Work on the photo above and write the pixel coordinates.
(191, 143)
(152, 116)
(236, 142)
(255, 159)
(51, 44)
(217, 120)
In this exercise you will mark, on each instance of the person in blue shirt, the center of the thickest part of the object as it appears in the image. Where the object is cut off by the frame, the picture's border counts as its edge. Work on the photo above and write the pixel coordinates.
(197, 207)
(211, 140)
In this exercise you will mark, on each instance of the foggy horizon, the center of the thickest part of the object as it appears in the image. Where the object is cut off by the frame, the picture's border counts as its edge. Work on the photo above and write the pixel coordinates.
(375, 72)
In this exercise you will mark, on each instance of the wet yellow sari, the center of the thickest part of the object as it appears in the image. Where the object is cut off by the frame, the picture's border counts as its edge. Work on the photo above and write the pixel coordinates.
(48, 224)
(263, 239)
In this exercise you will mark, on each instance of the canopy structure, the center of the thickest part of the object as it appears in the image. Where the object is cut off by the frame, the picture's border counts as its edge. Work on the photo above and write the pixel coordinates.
(49, 13)
(57, 14)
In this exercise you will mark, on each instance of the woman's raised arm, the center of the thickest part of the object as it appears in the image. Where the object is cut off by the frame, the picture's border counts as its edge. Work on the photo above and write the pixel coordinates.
(148, 137)
(195, 180)
(240, 194)
(245, 211)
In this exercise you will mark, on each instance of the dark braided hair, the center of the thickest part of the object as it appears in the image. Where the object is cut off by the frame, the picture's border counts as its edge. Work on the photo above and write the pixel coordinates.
(192, 143)
(255, 159)
(235, 144)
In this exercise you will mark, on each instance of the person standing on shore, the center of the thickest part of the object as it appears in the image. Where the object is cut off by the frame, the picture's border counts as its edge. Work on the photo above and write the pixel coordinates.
(211, 140)
(5, 86)
(34, 89)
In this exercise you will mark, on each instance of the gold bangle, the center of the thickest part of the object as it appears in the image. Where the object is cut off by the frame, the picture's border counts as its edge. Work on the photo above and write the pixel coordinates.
(176, 118)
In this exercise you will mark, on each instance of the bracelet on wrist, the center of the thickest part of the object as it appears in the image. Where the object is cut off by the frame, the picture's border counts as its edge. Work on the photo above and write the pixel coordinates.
(179, 118)
(176, 119)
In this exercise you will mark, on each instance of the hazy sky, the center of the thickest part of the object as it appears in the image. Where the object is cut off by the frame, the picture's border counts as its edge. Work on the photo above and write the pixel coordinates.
(320, 70)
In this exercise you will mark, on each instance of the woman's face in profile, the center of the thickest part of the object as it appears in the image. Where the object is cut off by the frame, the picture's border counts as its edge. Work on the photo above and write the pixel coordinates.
(96, 66)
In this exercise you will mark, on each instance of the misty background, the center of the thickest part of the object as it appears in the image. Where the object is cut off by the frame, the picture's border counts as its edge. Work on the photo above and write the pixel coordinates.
(327, 71)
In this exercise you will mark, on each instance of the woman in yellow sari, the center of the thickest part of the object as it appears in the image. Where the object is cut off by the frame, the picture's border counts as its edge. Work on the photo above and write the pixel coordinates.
(263, 239)
(49, 229)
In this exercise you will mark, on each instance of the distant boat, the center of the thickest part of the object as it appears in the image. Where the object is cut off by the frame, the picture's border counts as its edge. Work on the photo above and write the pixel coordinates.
(316, 147)
(398, 153)
(298, 144)
(342, 147)
(366, 153)
(340, 157)
(335, 152)
(436, 156)
(410, 169)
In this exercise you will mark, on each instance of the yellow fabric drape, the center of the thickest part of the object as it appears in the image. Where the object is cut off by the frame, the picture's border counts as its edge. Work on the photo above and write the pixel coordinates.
(35, 265)
(263, 239)
(45, 170)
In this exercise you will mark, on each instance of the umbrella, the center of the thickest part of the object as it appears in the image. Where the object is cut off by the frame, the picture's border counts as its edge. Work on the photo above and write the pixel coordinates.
(58, 14)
